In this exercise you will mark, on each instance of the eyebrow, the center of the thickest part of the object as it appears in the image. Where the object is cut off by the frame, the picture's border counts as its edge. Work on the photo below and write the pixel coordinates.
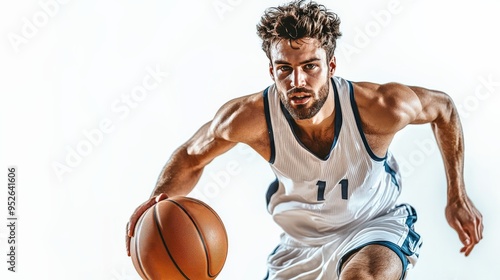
(302, 62)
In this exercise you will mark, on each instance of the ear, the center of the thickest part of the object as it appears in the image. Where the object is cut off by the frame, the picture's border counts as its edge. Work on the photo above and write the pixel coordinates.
(332, 65)
(271, 71)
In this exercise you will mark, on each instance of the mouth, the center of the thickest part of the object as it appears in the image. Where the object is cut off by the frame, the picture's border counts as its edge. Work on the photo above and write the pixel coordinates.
(300, 98)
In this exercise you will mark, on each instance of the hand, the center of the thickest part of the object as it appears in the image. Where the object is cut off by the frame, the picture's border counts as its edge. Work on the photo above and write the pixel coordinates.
(137, 214)
(467, 221)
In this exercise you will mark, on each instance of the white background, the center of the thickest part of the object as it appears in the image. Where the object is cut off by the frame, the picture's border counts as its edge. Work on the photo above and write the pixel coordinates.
(65, 68)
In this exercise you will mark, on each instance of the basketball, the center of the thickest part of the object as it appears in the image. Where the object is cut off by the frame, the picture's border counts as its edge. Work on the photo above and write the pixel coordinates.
(179, 238)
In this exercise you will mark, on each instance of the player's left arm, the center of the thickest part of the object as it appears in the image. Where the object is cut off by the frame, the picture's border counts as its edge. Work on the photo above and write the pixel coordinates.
(438, 109)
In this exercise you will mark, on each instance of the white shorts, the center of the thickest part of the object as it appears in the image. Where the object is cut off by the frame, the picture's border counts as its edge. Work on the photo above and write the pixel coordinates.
(293, 260)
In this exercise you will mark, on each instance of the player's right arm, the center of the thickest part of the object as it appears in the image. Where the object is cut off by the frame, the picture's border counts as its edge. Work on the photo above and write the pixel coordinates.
(240, 120)
(185, 166)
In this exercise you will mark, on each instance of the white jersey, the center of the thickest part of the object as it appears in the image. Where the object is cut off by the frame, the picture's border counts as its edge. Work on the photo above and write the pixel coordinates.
(315, 197)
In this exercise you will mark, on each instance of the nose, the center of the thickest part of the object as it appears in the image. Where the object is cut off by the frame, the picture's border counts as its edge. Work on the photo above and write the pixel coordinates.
(298, 78)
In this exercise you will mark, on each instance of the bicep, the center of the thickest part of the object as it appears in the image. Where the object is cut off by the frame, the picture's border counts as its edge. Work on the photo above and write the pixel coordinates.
(401, 105)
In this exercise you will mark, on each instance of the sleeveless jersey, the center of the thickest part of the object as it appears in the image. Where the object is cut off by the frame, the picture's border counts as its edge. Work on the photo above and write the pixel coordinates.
(313, 198)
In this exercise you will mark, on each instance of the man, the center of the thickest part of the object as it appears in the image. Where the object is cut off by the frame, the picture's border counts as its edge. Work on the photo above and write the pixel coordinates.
(327, 141)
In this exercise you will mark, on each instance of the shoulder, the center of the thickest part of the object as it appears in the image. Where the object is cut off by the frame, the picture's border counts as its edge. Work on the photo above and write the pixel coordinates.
(241, 119)
(390, 95)
(386, 108)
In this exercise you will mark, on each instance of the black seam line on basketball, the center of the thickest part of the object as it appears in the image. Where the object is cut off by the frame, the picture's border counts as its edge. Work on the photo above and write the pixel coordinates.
(201, 237)
(137, 256)
(163, 241)
(218, 218)
(211, 210)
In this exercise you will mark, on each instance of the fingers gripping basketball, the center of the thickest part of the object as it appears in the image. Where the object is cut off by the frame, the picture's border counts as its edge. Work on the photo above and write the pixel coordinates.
(179, 238)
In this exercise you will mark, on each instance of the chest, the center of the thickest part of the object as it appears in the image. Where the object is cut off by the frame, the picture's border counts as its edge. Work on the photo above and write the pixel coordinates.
(319, 146)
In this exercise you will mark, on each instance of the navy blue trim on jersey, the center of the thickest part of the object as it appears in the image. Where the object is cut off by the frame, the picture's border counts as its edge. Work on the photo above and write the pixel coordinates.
(338, 115)
(412, 242)
(391, 171)
(360, 126)
(269, 124)
(409, 247)
(273, 188)
(337, 124)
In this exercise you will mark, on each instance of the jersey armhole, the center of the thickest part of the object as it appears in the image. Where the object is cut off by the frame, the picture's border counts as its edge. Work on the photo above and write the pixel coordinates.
(269, 125)
(360, 126)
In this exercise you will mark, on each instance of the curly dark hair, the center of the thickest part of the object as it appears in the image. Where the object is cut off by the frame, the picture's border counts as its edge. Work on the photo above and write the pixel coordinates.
(297, 20)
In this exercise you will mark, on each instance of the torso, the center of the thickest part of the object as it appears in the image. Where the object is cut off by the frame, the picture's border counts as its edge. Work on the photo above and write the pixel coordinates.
(336, 181)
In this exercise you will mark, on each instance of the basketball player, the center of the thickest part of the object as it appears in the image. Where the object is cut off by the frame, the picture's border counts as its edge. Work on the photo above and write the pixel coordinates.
(327, 140)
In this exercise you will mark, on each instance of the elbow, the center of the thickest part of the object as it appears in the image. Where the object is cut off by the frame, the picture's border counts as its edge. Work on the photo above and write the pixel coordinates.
(447, 115)
(186, 160)
(448, 110)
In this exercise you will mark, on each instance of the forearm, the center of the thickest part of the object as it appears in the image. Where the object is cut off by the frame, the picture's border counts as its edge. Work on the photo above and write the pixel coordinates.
(461, 213)
(449, 135)
(179, 175)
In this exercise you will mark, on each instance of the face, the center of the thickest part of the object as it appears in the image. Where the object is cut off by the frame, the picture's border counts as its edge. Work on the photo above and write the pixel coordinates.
(302, 75)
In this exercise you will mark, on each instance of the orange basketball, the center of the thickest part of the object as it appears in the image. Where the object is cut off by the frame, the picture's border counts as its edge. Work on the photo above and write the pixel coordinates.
(179, 238)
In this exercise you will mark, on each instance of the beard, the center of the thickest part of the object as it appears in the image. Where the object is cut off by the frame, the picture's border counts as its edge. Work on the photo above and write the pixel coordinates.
(306, 111)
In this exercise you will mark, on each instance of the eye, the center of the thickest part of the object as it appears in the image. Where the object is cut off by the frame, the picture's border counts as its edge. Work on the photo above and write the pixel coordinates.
(284, 68)
(310, 66)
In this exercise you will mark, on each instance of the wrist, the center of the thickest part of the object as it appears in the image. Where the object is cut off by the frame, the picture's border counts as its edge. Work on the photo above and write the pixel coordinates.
(456, 192)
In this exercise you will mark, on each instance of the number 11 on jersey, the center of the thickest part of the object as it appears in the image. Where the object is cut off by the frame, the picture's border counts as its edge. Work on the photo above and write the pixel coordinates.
(344, 184)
